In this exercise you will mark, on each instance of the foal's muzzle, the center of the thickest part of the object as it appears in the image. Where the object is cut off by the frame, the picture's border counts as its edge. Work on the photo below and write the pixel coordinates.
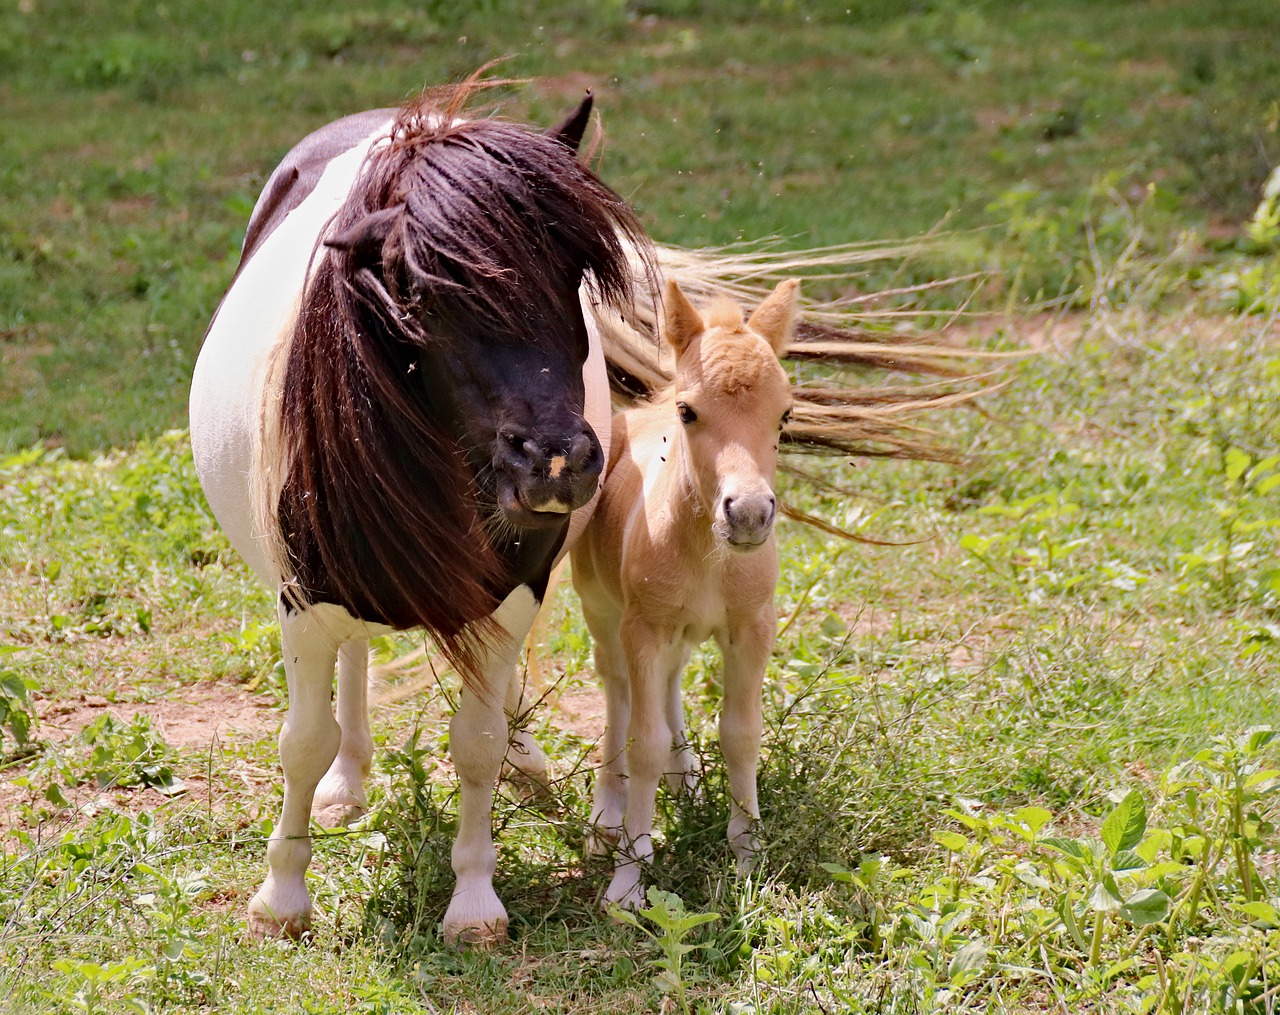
(745, 521)
(542, 480)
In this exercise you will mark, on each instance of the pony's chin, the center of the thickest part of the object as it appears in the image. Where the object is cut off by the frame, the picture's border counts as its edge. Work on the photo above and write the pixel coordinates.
(519, 514)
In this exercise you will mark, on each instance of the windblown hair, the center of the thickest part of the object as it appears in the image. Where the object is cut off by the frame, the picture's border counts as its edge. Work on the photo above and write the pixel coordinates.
(456, 230)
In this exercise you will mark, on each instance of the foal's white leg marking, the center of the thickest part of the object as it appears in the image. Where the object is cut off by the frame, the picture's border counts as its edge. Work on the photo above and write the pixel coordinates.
(746, 654)
(528, 768)
(309, 740)
(340, 797)
(609, 802)
(477, 744)
(649, 657)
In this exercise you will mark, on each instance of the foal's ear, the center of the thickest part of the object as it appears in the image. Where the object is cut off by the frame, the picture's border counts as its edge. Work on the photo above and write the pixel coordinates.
(775, 318)
(681, 322)
(569, 131)
(366, 236)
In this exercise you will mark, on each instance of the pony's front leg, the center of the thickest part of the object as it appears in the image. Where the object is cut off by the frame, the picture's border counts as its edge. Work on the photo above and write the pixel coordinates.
(746, 655)
(340, 797)
(649, 654)
(308, 742)
(477, 745)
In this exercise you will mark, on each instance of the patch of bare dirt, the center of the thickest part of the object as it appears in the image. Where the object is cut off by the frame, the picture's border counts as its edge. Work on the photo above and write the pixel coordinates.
(195, 716)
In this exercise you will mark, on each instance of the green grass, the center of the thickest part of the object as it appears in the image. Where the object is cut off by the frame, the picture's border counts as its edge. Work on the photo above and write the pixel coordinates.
(956, 727)
(1093, 607)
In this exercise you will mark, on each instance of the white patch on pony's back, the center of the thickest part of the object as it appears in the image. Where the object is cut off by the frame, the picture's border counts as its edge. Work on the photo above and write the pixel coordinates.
(234, 440)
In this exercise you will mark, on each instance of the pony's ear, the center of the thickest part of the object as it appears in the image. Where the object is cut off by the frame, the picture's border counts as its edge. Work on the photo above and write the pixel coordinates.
(569, 131)
(775, 318)
(681, 322)
(366, 236)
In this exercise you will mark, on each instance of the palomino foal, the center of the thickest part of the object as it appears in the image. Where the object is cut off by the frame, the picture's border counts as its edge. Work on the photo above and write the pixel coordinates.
(680, 549)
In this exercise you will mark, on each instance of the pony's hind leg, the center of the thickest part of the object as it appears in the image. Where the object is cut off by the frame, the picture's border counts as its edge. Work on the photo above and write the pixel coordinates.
(308, 742)
(746, 655)
(340, 798)
(477, 744)
(527, 767)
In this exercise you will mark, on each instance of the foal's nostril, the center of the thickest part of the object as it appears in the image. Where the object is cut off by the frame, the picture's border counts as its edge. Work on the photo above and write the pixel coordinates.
(728, 509)
(582, 450)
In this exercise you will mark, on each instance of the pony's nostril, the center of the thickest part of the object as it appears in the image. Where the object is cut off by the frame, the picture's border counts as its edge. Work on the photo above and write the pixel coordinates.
(582, 450)
(728, 508)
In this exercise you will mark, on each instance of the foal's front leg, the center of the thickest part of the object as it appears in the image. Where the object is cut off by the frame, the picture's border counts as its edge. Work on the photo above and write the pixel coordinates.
(477, 745)
(309, 740)
(746, 655)
(649, 654)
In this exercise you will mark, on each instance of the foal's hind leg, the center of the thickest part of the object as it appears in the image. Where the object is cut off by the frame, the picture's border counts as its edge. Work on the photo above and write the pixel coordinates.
(609, 802)
(682, 774)
(340, 798)
(308, 742)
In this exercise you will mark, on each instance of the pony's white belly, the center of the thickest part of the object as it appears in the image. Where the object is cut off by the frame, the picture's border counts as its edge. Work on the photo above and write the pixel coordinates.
(256, 314)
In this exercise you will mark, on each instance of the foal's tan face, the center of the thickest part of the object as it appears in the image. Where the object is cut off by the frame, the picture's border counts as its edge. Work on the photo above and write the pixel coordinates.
(733, 397)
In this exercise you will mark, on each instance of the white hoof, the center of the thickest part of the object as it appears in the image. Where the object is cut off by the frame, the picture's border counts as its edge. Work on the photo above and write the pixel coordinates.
(338, 815)
(281, 919)
(475, 919)
(625, 890)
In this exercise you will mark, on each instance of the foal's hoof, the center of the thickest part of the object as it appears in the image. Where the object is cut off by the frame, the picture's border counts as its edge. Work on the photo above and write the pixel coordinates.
(338, 815)
(264, 926)
(484, 938)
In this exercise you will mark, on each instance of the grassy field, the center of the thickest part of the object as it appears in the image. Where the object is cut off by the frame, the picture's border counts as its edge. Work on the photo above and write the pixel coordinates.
(1022, 764)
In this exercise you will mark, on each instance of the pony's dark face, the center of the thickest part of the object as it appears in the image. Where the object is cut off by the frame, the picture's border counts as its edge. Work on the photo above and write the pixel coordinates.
(516, 405)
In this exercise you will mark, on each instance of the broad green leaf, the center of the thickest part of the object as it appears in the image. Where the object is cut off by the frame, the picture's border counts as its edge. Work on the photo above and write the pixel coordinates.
(1256, 739)
(1071, 847)
(1127, 860)
(1267, 484)
(838, 873)
(1236, 461)
(953, 841)
(1035, 818)
(969, 961)
(1146, 907)
(1124, 827)
(1264, 912)
(1106, 897)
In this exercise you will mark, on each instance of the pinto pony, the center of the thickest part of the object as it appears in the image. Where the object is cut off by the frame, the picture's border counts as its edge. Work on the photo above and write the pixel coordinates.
(401, 414)
(680, 549)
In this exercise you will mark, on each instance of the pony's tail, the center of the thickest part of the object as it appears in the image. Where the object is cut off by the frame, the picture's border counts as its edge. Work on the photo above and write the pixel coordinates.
(834, 413)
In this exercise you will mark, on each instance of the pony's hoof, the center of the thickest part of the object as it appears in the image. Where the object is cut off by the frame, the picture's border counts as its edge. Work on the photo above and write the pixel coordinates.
(530, 787)
(483, 938)
(266, 926)
(338, 815)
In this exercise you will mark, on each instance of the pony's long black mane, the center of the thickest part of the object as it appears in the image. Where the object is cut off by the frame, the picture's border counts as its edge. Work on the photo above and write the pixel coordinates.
(457, 230)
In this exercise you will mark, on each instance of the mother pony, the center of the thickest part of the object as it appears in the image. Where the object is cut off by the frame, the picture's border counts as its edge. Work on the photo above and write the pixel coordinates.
(399, 415)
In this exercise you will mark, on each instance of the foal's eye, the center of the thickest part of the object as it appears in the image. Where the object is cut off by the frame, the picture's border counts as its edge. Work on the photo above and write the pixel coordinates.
(687, 415)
